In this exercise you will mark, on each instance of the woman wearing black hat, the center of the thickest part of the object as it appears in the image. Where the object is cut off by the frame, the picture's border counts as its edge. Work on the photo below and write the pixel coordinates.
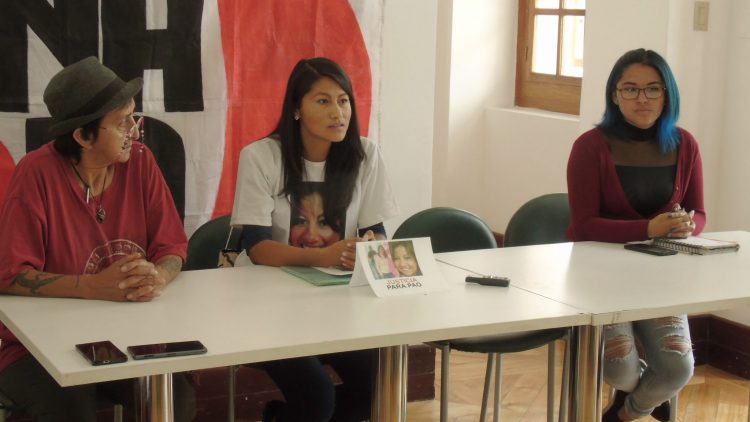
(87, 215)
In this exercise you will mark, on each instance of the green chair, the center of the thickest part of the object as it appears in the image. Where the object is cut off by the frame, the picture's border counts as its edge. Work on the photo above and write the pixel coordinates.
(450, 230)
(207, 242)
(542, 220)
(204, 247)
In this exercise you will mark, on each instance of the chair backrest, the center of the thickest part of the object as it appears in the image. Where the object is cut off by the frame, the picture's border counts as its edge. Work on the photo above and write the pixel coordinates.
(449, 229)
(206, 243)
(542, 220)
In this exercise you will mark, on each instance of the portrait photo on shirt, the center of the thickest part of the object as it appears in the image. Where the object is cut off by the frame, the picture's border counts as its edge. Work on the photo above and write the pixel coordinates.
(312, 224)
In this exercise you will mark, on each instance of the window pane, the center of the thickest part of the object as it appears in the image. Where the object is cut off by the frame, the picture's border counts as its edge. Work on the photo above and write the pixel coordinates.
(547, 4)
(574, 4)
(544, 50)
(571, 62)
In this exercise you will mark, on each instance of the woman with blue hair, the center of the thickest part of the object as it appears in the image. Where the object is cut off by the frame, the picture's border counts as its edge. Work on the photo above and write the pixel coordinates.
(638, 176)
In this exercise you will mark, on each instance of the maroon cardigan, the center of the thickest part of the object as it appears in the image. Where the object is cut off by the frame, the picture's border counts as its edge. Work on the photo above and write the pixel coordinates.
(598, 206)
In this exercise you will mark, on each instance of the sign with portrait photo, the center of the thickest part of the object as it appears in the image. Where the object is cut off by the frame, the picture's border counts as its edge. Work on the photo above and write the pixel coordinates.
(397, 267)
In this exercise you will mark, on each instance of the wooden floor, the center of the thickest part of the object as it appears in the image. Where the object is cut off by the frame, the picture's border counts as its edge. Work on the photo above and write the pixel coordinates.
(712, 395)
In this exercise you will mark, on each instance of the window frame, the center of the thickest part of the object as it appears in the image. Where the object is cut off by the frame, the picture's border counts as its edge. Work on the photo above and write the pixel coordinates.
(547, 92)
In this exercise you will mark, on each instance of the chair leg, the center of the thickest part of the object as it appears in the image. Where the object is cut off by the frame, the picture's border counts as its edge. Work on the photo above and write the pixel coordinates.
(232, 389)
(445, 352)
(116, 410)
(486, 392)
(565, 388)
(551, 382)
(673, 409)
(498, 382)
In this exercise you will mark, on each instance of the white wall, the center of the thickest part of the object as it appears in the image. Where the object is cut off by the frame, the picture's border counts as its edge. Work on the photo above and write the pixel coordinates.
(524, 153)
(408, 94)
(471, 80)
(733, 160)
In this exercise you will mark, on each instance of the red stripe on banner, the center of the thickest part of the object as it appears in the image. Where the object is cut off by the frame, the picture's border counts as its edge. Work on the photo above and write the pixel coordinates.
(262, 40)
(6, 170)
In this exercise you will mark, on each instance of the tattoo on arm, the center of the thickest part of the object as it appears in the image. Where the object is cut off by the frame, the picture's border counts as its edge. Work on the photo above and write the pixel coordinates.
(35, 282)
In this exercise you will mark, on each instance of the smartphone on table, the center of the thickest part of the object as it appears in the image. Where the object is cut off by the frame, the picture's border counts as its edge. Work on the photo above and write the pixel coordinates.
(649, 249)
(101, 353)
(164, 350)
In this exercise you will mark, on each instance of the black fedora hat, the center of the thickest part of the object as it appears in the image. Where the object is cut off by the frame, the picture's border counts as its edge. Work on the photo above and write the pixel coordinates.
(83, 92)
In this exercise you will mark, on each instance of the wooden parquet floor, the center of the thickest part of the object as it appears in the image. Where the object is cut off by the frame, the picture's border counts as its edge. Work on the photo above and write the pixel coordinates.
(712, 395)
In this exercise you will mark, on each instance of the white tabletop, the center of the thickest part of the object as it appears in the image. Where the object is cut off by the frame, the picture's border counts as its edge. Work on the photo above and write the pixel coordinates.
(618, 285)
(253, 314)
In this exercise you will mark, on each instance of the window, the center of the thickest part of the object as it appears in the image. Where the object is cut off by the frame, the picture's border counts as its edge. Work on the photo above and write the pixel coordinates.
(549, 62)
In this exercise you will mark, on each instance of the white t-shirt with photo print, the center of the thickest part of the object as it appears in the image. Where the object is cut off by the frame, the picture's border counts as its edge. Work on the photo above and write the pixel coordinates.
(260, 178)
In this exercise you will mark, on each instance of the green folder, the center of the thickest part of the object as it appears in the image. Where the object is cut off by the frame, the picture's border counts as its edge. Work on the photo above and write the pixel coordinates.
(317, 277)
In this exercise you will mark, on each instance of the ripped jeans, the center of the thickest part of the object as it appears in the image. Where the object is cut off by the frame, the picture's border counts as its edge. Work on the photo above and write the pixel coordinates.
(668, 361)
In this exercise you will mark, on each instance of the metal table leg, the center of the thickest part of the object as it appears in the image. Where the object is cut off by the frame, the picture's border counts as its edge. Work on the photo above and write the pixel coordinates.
(586, 403)
(155, 399)
(389, 394)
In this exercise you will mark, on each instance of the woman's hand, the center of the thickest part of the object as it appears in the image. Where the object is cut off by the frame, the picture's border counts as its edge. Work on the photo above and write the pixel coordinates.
(675, 224)
(344, 252)
(130, 278)
(349, 255)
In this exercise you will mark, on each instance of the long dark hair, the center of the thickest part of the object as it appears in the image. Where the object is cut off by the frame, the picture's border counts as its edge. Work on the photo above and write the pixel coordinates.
(666, 130)
(344, 158)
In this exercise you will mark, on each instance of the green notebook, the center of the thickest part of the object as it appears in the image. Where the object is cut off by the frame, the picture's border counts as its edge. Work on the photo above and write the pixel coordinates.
(317, 277)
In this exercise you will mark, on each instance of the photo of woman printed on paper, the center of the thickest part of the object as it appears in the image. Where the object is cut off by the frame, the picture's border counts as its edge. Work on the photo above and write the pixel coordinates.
(312, 225)
(381, 263)
(405, 259)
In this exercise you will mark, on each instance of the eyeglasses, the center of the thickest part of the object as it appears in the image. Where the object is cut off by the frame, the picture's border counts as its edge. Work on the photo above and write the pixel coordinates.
(651, 92)
(130, 129)
(127, 127)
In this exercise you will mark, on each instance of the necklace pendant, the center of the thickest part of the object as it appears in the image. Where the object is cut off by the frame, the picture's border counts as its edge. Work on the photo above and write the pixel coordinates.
(100, 214)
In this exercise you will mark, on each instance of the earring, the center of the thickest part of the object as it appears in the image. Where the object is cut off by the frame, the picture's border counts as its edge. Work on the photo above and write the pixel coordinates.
(296, 116)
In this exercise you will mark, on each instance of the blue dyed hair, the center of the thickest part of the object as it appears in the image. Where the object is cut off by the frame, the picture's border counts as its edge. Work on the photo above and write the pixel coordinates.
(666, 125)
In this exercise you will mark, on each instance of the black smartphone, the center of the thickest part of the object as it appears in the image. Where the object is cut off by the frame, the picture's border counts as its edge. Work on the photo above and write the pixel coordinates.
(164, 350)
(101, 353)
(649, 249)
(489, 280)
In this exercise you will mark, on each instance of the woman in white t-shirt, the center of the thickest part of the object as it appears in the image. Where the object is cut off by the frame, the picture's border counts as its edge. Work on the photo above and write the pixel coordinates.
(304, 196)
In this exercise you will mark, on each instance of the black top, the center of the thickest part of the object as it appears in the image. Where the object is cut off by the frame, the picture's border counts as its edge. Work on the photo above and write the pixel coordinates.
(625, 131)
(647, 188)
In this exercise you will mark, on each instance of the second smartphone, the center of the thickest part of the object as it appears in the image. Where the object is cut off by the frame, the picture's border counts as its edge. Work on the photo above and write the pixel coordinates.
(163, 350)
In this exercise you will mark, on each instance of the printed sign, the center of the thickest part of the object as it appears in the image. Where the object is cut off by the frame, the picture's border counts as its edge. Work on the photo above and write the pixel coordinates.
(397, 267)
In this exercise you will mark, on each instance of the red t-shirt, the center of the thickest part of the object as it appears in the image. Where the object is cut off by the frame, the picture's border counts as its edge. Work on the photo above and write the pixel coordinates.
(6, 170)
(47, 225)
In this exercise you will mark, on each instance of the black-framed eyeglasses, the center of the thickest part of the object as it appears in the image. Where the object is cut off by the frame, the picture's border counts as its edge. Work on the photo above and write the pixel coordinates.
(651, 92)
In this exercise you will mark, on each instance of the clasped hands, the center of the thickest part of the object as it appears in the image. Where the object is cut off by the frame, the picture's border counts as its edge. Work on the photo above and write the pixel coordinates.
(344, 252)
(677, 223)
(131, 278)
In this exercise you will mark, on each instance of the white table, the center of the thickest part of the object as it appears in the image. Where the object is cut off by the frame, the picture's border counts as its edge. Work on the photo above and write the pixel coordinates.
(616, 285)
(254, 314)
